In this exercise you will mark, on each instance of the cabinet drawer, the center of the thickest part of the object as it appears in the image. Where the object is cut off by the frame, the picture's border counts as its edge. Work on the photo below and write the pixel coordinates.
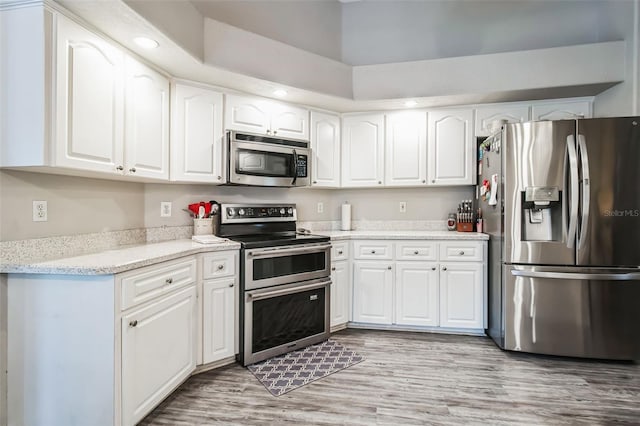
(418, 250)
(216, 265)
(152, 281)
(461, 251)
(373, 250)
(340, 251)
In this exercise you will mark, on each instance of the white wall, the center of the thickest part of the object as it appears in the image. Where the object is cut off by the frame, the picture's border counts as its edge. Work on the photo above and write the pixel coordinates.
(376, 32)
(314, 26)
(75, 205)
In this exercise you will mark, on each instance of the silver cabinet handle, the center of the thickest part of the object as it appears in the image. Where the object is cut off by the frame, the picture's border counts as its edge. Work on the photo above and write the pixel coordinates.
(433, 181)
(219, 177)
(133, 323)
(444, 268)
(132, 170)
(424, 181)
(220, 267)
(416, 252)
(333, 268)
(275, 132)
(169, 281)
(461, 253)
(120, 168)
(433, 268)
(339, 251)
(268, 131)
(373, 252)
(389, 267)
(315, 181)
(231, 285)
(379, 182)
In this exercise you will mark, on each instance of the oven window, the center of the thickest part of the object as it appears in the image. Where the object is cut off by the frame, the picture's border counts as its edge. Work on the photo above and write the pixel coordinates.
(272, 267)
(263, 163)
(287, 318)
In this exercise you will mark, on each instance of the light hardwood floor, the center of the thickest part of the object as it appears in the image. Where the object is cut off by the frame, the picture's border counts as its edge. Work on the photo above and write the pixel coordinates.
(419, 378)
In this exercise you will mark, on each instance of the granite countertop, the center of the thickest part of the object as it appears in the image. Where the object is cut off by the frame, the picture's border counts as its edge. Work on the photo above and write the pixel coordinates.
(404, 235)
(118, 260)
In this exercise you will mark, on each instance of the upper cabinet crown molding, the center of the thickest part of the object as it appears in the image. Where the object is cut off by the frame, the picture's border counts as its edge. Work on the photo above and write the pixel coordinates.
(263, 116)
(561, 110)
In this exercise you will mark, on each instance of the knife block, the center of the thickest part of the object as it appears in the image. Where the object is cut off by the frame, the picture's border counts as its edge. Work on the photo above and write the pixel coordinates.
(464, 227)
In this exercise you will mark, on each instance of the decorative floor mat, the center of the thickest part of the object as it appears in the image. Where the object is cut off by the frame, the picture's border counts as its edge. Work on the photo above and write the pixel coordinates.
(284, 373)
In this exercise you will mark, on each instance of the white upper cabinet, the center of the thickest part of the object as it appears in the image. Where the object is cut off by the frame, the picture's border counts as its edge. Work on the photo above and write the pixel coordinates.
(262, 116)
(146, 121)
(567, 110)
(487, 116)
(197, 136)
(325, 150)
(451, 147)
(406, 148)
(89, 108)
(363, 150)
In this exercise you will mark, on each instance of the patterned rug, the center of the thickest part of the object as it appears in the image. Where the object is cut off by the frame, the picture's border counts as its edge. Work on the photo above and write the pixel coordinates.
(284, 373)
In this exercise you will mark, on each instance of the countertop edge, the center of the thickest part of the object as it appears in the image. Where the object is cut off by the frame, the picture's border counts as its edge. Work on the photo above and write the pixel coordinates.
(396, 235)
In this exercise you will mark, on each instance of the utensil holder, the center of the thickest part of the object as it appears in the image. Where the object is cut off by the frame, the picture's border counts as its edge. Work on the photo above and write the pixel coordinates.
(203, 226)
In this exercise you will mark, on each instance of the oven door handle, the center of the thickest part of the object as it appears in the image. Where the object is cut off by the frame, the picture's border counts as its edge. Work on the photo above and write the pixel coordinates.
(268, 293)
(277, 251)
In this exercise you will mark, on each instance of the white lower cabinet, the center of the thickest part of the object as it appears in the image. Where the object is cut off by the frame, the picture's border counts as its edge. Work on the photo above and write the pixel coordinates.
(373, 292)
(219, 319)
(158, 352)
(340, 293)
(416, 294)
(461, 295)
(412, 292)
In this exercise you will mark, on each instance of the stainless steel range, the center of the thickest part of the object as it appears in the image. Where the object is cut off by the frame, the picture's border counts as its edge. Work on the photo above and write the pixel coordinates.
(284, 276)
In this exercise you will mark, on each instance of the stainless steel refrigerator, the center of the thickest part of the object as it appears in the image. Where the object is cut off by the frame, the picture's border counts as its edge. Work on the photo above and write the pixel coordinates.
(561, 202)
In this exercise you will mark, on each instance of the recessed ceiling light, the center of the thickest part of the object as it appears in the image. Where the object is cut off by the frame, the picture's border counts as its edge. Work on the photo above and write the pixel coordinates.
(410, 104)
(281, 93)
(146, 42)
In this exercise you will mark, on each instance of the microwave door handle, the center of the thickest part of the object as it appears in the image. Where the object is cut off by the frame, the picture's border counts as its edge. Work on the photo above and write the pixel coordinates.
(295, 167)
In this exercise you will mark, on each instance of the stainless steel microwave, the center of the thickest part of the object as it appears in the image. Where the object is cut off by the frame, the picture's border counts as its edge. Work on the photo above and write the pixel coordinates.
(258, 160)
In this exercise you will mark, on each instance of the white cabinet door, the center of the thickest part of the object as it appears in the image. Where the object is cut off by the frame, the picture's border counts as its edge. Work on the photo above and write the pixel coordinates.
(461, 295)
(373, 292)
(289, 122)
(89, 108)
(567, 110)
(416, 294)
(197, 136)
(219, 317)
(406, 148)
(340, 294)
(487, 116)
(247, 114)
(146, 121)
(363, 150)
(451, 147)
(325, 150)
(158, 352)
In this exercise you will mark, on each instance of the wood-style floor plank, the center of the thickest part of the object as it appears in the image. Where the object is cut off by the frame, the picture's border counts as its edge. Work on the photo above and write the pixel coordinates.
(417, 379)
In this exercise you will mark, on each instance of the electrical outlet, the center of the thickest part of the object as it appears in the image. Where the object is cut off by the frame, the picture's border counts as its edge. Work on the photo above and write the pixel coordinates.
(320, 207)
(39, 211)
(403, 206)
(165, 209)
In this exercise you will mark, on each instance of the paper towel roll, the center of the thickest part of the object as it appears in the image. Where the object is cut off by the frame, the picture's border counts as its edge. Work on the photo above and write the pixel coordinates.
(345, 223)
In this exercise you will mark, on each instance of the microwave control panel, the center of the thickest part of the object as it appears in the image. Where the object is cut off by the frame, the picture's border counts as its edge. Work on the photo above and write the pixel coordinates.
(302, 166)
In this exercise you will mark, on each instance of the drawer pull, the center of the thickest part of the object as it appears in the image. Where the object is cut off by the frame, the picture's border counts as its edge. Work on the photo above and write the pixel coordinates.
(231, 285)
(389, 267)
(416, 252)
(220, 267)
(373, 252)
(444, 268)
(169, 280)
(339, 251)
(433, 268)
(461, 253)
(333, 268)
(133, 323)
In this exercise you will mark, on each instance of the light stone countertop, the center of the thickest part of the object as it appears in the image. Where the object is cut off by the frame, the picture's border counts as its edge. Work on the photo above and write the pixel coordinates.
(118, 260)
(404, 235)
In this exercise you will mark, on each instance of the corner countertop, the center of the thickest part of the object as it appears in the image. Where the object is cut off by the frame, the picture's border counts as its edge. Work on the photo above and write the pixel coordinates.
(118, 260)
(404, 235)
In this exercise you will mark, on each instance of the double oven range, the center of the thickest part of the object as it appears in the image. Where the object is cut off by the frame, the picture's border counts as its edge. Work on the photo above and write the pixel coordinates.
(285, 280)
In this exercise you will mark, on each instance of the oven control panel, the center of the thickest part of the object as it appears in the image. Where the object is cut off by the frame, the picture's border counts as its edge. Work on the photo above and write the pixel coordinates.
(259, 213)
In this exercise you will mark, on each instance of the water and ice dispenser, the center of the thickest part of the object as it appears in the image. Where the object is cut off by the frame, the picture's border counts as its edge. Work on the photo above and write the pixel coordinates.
(541, 214)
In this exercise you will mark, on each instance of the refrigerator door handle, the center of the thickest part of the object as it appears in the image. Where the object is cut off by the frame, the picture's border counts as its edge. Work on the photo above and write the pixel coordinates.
(633, 276)
(573, 190)
(586, 192)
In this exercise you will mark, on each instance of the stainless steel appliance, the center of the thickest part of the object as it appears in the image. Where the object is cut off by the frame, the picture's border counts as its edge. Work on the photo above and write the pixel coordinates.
(258, 160)
(563, 214)
(284, 276)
